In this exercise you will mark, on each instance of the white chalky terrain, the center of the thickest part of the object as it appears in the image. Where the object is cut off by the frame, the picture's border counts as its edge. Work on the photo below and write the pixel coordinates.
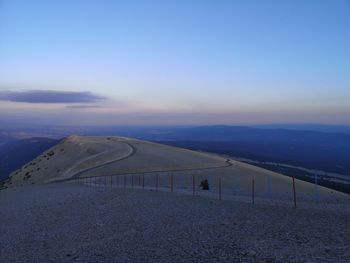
(76, 223)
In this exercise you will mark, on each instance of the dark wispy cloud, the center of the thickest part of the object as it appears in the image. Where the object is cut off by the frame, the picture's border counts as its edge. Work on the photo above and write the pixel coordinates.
(49, 96)
(82, 106)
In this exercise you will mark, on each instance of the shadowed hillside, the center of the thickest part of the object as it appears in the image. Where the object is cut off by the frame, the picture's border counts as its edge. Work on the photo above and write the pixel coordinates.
(15, 153)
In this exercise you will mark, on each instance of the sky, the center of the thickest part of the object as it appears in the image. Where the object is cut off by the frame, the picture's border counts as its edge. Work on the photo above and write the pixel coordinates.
(184, 62)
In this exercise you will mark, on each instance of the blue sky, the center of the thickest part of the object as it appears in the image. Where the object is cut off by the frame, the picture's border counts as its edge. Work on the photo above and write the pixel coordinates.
(175, 62)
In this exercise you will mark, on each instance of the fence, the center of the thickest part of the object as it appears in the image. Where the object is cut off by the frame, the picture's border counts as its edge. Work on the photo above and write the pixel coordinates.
(221, 185)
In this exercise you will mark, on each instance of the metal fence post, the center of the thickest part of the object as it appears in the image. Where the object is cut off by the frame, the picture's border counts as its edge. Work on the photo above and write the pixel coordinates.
(294, 195)
(253, 192)
(316, 194)
(157, 182)
(172, 182)
(193, 186)
(234, 184)
(143, 181)
(219, 187)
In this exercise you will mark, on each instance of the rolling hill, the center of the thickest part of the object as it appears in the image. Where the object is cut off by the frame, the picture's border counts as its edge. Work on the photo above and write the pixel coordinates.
(125, 158)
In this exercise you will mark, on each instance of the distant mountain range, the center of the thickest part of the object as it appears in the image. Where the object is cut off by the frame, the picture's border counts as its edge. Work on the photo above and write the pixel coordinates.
(308, 127)
(315, 150)
(21, 131)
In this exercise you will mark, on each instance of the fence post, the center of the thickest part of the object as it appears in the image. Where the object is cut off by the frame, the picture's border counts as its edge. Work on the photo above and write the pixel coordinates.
(111, 181)
(253, 192)
(143, 181)
(234, 185)
(316, 194)
(171, 182)
(220, 187)
(157, 182)
(295, 199)
(193, 186)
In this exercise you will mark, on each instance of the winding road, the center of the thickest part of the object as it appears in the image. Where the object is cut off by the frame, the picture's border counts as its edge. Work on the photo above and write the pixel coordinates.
(76, 175)
(79, 174)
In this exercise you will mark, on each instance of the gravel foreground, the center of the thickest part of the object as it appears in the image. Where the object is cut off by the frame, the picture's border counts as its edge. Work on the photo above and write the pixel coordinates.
(72, 223)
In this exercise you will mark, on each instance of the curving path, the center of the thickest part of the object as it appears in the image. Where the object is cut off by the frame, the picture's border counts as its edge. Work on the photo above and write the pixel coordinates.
(228, 163)
(76, 175)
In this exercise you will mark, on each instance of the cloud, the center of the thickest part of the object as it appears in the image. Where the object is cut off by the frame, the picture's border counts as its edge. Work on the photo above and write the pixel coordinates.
(49, 96)
(82, 106)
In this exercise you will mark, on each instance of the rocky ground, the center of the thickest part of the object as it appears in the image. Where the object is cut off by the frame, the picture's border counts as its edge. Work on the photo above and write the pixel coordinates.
(76, 223)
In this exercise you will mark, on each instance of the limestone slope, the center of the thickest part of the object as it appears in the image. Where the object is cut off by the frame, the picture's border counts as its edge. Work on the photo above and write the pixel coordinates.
(79, 156)
(68, 157)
